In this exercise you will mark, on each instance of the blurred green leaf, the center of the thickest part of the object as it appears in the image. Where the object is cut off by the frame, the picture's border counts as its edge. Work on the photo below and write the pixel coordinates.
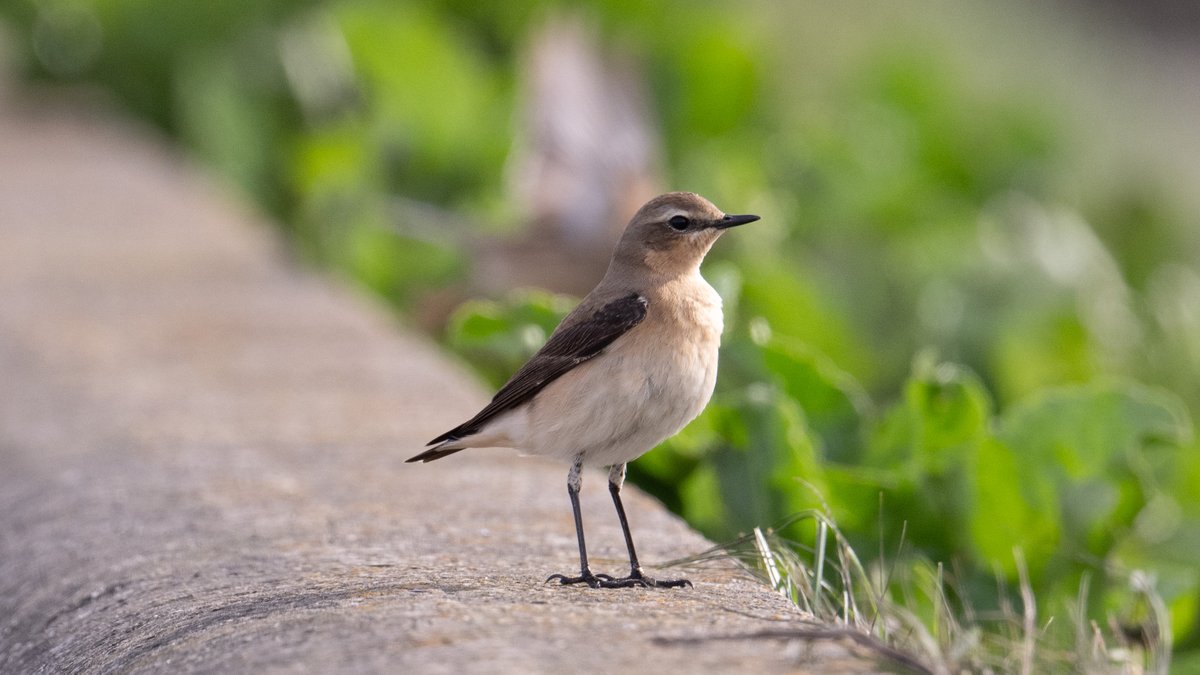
(1085, 430)
(434, 100)
(498, 336)
(702, 500)
(333, 161)
(833, 402)
(713, 75)
(945, 413)
(1011, 509)
(397, 266)
(795, 309)
(1088, 441)
(925, 443)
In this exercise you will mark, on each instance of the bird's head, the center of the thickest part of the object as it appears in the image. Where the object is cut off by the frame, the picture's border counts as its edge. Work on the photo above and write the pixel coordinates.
(671, 233)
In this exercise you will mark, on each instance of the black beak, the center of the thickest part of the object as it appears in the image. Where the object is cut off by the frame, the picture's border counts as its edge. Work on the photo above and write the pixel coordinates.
(733, 221)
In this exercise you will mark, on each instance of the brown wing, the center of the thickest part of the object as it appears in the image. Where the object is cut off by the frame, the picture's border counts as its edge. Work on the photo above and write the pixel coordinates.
(564, 350)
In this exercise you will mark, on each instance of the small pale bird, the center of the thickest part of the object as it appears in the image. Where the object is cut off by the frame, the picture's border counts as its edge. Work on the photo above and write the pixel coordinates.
(627, 368)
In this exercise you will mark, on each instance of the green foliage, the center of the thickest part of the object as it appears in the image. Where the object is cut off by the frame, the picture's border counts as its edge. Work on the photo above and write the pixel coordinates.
(912, 204)
(1090, 481)
(910, 614)
(497, 339)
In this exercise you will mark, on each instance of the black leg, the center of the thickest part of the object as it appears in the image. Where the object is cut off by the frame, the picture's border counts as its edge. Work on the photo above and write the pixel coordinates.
(574, 481)
(616, 478)
(614, 488)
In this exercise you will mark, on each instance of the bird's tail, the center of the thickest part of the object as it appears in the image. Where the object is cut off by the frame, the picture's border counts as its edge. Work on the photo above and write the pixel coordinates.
(442, 449)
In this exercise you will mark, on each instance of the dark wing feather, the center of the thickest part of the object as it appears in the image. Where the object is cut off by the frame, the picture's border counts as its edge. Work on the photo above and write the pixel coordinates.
(565, 349)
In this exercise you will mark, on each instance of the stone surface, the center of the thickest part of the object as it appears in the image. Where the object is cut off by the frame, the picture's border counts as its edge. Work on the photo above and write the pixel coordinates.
(201, 460)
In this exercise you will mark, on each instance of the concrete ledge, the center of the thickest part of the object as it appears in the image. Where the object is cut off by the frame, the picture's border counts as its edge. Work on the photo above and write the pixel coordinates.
(202, 451)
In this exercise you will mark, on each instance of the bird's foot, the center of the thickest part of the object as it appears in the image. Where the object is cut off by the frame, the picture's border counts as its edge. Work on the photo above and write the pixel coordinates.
(586, 577)
(638, 578)
(635, 579)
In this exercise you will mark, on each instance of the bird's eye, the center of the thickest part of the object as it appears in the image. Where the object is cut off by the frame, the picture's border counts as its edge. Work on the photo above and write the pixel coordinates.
(679, 223)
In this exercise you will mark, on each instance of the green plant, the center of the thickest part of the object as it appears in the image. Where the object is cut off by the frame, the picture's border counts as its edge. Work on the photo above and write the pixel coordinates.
(911, 614)
(1077, 479)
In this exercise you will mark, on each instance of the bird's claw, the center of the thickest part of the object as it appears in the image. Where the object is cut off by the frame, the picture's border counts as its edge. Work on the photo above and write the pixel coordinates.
(593, 580)
(637, 578)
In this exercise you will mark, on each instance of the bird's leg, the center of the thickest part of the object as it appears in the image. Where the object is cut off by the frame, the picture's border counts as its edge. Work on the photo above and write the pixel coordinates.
(616, 478)
(574, 482)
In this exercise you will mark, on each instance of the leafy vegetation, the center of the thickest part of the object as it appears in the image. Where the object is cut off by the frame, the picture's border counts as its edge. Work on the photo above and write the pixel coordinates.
(1074, 492)
(937, 339)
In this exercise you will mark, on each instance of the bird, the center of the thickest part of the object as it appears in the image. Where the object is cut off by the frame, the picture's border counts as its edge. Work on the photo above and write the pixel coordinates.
(630, 366)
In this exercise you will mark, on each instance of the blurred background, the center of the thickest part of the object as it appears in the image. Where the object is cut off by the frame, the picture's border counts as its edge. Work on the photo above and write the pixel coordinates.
(968, 323)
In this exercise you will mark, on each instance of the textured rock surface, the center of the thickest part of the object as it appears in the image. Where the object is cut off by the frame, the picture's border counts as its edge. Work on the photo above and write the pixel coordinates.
(202, 461)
